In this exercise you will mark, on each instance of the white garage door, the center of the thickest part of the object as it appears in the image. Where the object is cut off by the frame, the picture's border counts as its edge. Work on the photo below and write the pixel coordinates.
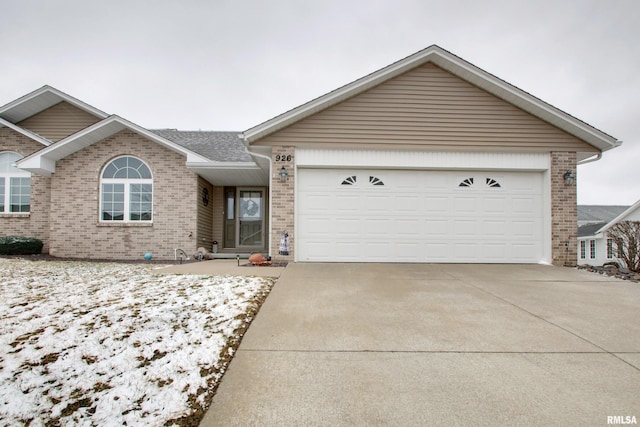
(419, 216)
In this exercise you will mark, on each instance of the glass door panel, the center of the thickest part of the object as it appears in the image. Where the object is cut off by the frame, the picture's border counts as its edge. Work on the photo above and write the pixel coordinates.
(230, 217)
(251, 218)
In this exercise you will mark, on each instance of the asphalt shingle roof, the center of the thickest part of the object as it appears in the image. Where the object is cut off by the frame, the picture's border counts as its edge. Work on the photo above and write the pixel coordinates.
(598, 213)
(590, 229)
(217, 146)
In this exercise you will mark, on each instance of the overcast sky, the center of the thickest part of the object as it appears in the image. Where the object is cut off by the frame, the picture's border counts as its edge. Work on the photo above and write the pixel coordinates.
(229, 65)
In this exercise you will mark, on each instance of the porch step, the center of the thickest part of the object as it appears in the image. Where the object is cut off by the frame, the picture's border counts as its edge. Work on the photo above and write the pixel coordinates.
(229, 256)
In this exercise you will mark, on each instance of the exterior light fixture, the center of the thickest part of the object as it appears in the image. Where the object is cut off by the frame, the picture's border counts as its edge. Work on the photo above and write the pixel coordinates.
(569, 177)
(284, 174)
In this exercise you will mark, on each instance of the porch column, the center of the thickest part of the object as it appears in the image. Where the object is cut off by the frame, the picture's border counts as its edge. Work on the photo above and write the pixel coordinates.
(564, 210)
(283, 201)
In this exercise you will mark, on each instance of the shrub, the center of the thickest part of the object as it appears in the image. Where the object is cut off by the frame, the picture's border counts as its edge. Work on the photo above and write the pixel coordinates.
(18, 245)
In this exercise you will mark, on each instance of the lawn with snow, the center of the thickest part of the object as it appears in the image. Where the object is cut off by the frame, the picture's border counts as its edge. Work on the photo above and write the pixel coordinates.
(115, 344)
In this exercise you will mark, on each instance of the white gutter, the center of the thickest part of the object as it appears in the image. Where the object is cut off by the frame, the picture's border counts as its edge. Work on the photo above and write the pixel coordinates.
(251, 153)
(590, 159)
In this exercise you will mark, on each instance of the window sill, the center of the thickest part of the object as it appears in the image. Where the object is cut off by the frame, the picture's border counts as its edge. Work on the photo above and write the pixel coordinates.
(125, 224)
(15, 215)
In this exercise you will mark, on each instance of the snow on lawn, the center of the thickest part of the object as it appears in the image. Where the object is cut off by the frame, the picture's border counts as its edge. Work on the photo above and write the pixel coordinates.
(115, 344)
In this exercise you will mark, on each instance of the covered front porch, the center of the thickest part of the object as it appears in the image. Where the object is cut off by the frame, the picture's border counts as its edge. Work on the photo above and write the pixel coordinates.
(233, 208)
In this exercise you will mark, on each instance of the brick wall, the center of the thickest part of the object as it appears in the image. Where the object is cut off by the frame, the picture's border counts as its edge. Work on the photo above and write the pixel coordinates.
(283, 202)
(75, 227)
(564, 210)
(36, 224)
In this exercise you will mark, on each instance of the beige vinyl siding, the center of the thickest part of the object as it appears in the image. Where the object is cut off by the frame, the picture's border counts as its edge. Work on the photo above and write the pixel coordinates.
(204, 235)
(218, 215)
(430, 108)
(59, 121)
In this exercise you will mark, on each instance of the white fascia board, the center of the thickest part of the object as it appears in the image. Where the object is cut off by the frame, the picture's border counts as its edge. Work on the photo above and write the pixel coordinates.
(44, 98)
(223, 165)
(97, 132)
(619, 218)
(39, 165)
(25, 132)
(337, 95)
(525, 101)
(461, 69)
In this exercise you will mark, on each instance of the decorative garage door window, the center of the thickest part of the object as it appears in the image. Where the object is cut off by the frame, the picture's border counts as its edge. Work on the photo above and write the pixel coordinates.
(350, 180)
(126, 191)
(375, 181)
(353, 179)
(489, 182)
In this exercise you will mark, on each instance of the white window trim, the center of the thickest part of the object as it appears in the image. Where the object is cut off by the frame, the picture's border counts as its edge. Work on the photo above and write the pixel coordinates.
(592, 249)
(583, 249)
(7, 187)
(610, 249)
(127, 182)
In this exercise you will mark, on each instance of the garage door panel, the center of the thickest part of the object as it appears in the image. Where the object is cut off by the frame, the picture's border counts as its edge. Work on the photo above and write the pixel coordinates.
(406, 204)
(495, 252)
(440, 204)
(347, 227)
(495, 228)
(419, 216)
(434, 228)
(346, 203)
(407, 227)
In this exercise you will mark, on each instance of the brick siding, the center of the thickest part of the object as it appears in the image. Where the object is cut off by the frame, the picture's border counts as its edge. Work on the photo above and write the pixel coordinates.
(75, 200)
(36, 224)
(564, 210)
(283, 203)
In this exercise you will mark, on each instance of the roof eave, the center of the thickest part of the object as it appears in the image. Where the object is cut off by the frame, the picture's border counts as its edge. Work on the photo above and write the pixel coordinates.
(619, 218)
(43, 162)
(41, 99)
(25, 132)
(456, 66)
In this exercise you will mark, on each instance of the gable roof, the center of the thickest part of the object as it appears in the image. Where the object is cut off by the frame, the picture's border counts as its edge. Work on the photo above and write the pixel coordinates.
(42, 140)
(590, 230)
(43, 162)
(458, 67)
(599, 213)
(40, 100)
(605, 226)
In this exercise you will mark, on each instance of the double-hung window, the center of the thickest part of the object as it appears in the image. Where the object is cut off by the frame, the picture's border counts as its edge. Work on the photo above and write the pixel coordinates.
(592, 249)
(126, 191)
(609, 248)
(583, 249)
(15, 185)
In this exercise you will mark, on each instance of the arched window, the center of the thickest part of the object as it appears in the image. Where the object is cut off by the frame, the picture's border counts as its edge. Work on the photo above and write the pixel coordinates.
(126, 188)
(15, 185)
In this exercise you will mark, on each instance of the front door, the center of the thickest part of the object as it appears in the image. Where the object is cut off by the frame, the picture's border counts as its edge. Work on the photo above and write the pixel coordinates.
(244, 218)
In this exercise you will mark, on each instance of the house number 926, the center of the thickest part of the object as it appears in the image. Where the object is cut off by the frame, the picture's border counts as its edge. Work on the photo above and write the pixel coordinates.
(283, 157)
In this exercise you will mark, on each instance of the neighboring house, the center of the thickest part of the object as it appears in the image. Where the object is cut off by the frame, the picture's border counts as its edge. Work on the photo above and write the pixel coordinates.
(591, 214)
(429, 159)
(594, 245)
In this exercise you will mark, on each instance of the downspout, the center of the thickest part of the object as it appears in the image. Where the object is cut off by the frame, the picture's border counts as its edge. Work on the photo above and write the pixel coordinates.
(251, 153)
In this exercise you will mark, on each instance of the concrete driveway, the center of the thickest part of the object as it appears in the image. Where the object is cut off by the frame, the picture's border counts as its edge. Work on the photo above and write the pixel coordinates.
(425, 344)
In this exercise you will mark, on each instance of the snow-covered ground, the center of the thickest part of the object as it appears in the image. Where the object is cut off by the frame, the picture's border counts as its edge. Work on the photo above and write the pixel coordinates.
(114, 344)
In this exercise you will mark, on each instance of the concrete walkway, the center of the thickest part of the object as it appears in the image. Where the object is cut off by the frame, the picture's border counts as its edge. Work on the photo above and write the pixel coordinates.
(221, 267)
(409, 345)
